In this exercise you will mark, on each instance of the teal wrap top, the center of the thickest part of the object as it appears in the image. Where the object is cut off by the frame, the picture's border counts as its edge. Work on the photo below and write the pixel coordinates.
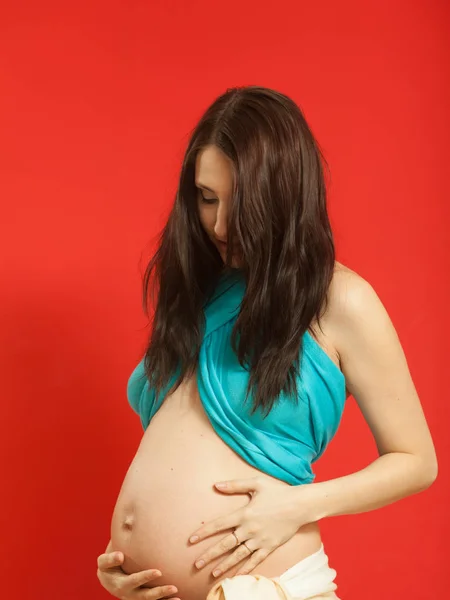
(285, 443)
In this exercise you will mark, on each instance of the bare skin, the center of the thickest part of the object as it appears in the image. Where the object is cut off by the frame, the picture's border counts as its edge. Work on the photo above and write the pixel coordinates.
(123, 586)
(180, 456)
(168, 490)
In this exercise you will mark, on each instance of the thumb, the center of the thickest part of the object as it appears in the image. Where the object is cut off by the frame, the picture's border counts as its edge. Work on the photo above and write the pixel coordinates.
(238, 486)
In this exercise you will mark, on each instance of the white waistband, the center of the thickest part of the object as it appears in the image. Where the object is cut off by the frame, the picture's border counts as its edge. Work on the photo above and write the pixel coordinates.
(310, 577)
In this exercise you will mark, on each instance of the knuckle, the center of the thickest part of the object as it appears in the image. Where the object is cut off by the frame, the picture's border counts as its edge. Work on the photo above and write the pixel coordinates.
(139, 579)
(247, 512)
(252, 528)
(135, 580)
(116, 587)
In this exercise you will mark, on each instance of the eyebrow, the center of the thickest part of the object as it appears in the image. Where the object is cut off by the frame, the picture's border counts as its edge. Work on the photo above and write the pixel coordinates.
(204, 187)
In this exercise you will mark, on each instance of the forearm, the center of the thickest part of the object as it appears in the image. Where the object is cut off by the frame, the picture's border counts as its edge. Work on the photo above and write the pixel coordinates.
(389, 478)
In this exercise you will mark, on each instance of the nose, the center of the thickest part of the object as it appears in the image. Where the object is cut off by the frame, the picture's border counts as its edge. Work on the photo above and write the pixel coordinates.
(220, 227)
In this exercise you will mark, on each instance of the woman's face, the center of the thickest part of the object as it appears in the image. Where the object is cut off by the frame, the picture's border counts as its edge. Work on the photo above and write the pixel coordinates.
(214, 182)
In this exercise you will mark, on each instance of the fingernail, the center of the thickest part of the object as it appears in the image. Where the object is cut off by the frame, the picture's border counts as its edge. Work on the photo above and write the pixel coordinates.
(217, 572)
(193, 539)
(221, 486)
(199, 564)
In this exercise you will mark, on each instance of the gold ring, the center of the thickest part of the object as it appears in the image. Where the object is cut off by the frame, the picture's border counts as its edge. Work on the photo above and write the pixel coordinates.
(236, 538)
(244, 544)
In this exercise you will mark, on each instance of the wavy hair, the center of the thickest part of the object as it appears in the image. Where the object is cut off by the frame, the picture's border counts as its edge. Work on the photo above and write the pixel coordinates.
(278, 217)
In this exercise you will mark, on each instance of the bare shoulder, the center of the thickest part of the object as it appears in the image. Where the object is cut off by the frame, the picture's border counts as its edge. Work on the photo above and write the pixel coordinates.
(347, 292)
(375, 367)
(350, 298)
(351, 301)
(361, 332)
(344, 289)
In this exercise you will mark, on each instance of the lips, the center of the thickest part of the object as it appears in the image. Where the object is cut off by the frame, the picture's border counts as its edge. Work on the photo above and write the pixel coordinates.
(223, 246)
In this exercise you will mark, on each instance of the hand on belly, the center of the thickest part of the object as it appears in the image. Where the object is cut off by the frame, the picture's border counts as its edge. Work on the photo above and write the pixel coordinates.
(168, 493)
(154, 534)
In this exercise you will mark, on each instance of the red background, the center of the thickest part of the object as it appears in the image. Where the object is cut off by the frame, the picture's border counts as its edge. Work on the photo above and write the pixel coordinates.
(96, 104)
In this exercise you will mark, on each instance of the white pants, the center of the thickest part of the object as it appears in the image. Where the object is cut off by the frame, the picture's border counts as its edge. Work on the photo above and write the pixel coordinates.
(309, 579)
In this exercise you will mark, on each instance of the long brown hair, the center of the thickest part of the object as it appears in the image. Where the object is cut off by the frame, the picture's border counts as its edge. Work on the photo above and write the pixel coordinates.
(279, 219)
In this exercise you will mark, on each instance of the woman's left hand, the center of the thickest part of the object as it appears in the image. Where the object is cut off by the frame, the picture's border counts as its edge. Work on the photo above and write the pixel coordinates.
(270, 519)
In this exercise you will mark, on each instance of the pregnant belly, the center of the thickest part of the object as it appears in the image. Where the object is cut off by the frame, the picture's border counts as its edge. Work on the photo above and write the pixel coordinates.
(168, 493)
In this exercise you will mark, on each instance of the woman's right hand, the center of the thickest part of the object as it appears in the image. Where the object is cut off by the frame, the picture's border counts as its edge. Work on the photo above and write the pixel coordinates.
(127, 587)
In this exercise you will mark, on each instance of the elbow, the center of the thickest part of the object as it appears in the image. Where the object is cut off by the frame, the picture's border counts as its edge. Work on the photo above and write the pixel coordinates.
(429, 473)
(433, 473)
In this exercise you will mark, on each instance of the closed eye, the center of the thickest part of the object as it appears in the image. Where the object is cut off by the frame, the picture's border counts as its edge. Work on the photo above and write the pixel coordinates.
(207, 200)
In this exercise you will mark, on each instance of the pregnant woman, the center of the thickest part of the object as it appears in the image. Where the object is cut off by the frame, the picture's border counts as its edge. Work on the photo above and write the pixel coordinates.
(258, 337)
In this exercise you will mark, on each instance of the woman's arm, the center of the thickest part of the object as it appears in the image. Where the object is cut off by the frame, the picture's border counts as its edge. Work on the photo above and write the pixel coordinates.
(378, 377)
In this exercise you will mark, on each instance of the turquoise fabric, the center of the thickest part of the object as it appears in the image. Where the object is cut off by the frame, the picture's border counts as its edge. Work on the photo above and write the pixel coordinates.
(294, 434)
